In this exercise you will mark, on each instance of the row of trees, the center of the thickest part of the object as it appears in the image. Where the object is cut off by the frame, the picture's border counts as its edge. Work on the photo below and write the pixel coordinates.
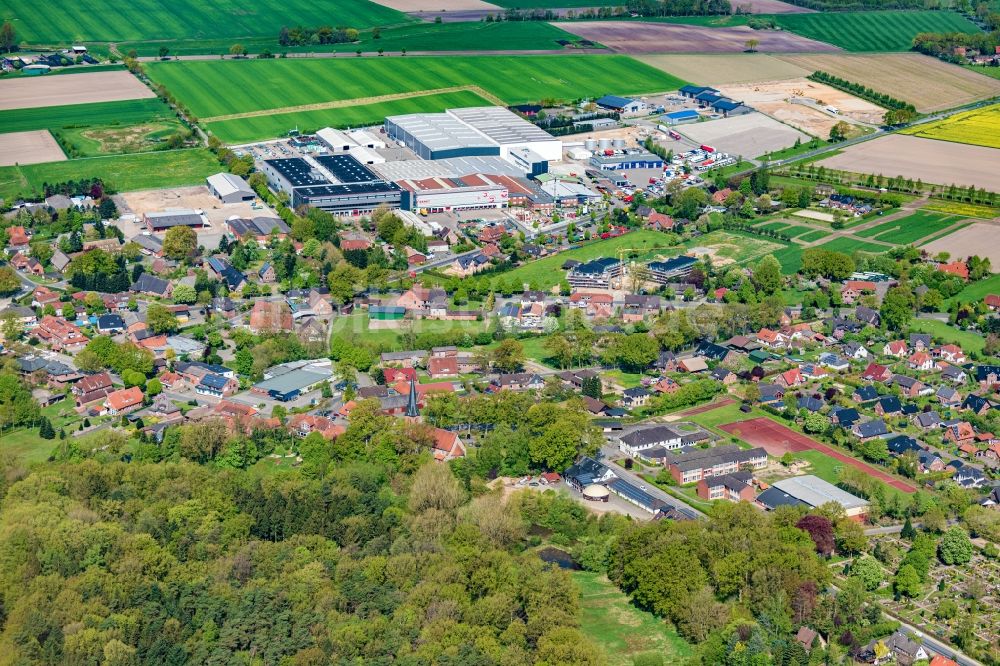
(324, 34)
(864, 92)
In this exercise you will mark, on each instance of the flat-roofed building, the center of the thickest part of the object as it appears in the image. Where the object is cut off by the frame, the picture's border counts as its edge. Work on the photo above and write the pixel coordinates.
(174, 218)
(671, 270)
(336, 183)
(814, 492)
(596, 273)
(447, 194)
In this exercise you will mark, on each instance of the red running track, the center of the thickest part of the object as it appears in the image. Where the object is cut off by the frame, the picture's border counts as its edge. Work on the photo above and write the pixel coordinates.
(777, 440)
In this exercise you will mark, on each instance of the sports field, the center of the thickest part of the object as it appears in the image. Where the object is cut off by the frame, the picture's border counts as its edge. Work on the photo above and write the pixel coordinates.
(909, 229)
(414, 37)
(980, 127)
(778, 439)
(119, 172)
(137, 20)
(245, 130)
(874, 31)
(254, 85)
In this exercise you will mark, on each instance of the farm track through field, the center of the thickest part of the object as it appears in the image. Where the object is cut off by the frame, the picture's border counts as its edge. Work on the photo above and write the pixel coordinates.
(359, 101)
(778, 439)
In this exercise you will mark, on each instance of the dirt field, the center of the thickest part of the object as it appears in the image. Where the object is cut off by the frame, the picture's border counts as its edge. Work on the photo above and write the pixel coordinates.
(938, 162)
(643, 38)
(927, 83)
(436, 5)
(33, 92)
(775, 99)
(981, 238)
(814, 215)
(751, 135)
(770, 7)
(713, 70)
(777, 440)
(29, 148)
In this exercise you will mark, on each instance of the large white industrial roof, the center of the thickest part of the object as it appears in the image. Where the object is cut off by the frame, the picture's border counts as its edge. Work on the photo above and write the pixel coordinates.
(453, 167)
(814, 491)
(440, 131)
(502, 126)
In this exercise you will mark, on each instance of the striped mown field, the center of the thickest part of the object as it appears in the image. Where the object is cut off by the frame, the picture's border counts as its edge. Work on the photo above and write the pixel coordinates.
(137, 20)
(255, 85)
(874, 31)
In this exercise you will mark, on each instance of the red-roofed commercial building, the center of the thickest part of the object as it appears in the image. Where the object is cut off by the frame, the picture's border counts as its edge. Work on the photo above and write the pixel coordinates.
(436, 195)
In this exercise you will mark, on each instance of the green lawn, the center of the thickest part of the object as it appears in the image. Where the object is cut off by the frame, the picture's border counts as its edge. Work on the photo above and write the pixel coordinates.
(874, 31)
(909, 229)
(813, 236)
(100, 114)
(255, 85)
(28, 446)
(967, 340)
(547, 272)
(462, 36)
(792, 151)
(119, 172)
(993, 72)
(390, 338)
(134, 20)
(977, 291)
(621, 629)
(246, 130)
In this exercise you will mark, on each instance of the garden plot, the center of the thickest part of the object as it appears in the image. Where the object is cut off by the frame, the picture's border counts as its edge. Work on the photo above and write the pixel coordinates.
(718, 69)
(980, 238)
(641, 38)
(29, 148)
(927, 83)
(938, 162)
(799, 102)
(751, 134)
(33, 92)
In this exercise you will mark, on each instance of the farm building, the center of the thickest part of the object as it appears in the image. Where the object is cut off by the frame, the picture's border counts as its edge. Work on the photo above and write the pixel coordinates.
(680, 117)
(174, 218)
(339, 183)
(230, 188)
(620, 104)
(728, 108)
(489, 130)
(447, 194)
(813, 491)
(692, 92)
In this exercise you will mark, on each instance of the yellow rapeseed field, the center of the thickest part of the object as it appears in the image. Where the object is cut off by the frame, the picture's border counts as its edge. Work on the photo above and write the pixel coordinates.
(980, 127)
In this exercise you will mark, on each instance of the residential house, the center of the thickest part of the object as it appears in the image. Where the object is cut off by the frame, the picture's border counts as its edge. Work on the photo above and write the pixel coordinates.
(151, 285)
(970, 477)
(845, 417)
(992, 302)
(896, 349)
(960, 433)
(988, 376)
(790, 378)
(877, 373)
(442, 366)
(638, 307)
(834, 362)
(870, 429)
(888, 405)
(217, 386)
(518, 381)
(447, 445)
(59, 334)
(956, 268)
(635, 397)
(866, 393)
(910, 387)
(856, 351)
(110, 324)
(724, 375)
(715, 352)
(693, 364)
(852, 290)
(43, 296)
(810, 403)
(930, 462)
(920, 361)
(123, 401)
(406, 359)
(27, 264)
(267, 274)
(303, 424)
(953, 373)
(900, 444)
(772, 339)
(951, 354)
(926, 420)
(948, 397)
(921, 342)
(867, 316)
(977, 404)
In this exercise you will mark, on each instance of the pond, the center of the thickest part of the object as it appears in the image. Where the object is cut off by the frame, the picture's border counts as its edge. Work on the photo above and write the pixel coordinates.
(560, 558)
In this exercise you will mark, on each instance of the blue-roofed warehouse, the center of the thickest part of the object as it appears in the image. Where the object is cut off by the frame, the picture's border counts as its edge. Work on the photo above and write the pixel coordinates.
(680, 117)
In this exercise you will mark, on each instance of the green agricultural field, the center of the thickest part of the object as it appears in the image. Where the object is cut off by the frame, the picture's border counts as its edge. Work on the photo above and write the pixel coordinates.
(977, 291)
(621, 629)
(547, 272)
(256, 85)
(140, 20)
(463, 36)
(992, 72)
(874, 31)
(99, 129)
(849, 245)
(245, 130)
(168, 168)
(909, 229)
(813, 236)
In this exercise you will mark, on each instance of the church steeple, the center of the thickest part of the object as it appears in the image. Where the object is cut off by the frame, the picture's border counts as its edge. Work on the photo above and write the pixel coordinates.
(412, 411)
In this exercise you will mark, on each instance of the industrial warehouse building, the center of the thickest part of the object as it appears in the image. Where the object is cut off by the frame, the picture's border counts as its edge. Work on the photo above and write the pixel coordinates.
(490, 130)
(629, 160)
(290, 380)
(230, 188)
(174, 218)
(336, 183)
(813, 492)
(434, 195)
